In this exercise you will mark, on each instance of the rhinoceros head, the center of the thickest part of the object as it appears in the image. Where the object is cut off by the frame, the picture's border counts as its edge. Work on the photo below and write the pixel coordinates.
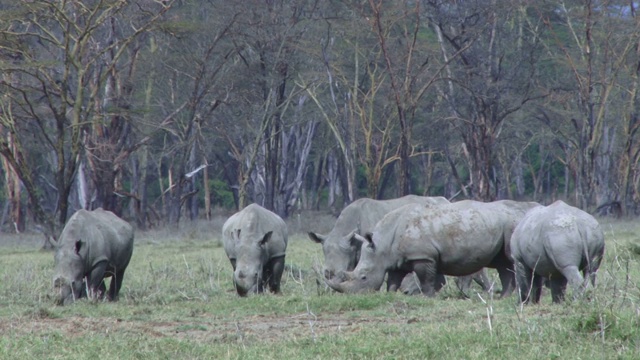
(368, 274)
(69, 270)
(341, 252)
(247, 276)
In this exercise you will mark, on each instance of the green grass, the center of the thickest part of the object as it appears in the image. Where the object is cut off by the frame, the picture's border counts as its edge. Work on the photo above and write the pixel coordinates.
(178, 302)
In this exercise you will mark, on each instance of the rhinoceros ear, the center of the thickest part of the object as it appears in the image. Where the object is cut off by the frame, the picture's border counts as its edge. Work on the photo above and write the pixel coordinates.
(316, 237)
(79, 245)
(368, 237)
(266, 238)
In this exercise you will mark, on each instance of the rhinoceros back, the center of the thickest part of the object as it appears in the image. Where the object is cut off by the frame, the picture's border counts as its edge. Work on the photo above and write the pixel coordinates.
(106, 235)
(253, 222)
(363, 214)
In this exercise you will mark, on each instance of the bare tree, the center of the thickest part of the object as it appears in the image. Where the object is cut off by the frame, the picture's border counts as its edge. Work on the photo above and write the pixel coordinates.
(601, 58)
(272, 148)
(196, 63)
(490, 80)
(55, 65)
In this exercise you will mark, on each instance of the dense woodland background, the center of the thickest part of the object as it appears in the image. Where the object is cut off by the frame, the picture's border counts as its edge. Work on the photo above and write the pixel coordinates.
(164, 110)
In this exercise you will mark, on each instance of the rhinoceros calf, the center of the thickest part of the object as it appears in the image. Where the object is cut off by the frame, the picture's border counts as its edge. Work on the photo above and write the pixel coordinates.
(93, 245)
(456, 239)
(255, 240)
(556, 242)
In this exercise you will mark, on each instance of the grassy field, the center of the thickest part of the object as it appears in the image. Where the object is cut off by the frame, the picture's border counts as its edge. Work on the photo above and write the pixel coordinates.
(178, 302)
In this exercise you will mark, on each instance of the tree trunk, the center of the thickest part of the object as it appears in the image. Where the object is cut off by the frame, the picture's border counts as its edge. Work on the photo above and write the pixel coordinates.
(207, 190)
(333, 178)
(191, 183)
(427, 172)
(13, 193)
(603, 169)
(141, 204)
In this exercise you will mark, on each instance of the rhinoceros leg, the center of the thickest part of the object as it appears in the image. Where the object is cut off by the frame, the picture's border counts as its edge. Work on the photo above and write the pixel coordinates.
(116, 284)
(102, 289)
(94, 287)
(394, 279)
(505, 268)
(558, 287)
(411, 284)
(507, 279)
(441, 281)
(464, 283)
(525, 279)
(87, 292)
(529, 283)
(428, 276)
(95, 281)
(536, 288)
(589, 271)
(574, 278)
(275, 267)
(480, 277)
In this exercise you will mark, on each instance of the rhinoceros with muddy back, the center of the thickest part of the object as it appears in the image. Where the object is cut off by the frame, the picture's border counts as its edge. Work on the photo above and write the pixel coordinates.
(556, 242)
(341, 246)
(456, 239)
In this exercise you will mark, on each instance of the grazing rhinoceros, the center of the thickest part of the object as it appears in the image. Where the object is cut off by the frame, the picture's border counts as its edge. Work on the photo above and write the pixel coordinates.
(556, 242)
(342, 249)
(340, 246)
(456, 239)
(255, 240)
(93, 245)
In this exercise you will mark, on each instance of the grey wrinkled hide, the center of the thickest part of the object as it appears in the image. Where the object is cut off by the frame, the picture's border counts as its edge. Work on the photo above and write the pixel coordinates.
(456, 239)
(341, 248)
(93, 245)
(255, 240)
(556, 242)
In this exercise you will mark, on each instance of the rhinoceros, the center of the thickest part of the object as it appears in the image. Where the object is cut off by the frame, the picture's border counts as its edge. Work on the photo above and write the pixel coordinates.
(255, 240)
(454, 239)
(341, 248)
(93, 245)
(556, 242)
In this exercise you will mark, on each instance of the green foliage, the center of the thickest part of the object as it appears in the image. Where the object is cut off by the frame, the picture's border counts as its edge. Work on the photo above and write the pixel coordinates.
(361, 182)
(221, 194)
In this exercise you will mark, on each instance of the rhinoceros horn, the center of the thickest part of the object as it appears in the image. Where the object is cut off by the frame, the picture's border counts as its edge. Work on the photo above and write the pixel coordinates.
(359, 238)
(318, 238)
(335, 284)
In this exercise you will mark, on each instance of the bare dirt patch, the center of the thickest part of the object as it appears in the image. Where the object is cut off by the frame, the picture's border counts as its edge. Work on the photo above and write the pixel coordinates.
(260, 328)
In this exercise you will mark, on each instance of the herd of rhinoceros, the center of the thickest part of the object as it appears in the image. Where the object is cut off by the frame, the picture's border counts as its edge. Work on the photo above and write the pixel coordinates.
(412, 242)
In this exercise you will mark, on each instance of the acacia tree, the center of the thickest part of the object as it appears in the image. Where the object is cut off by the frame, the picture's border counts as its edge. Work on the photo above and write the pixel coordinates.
(196, 63)
(349, 99)
(337, 113)
(407, 64)
(13, 192)
(273, 144)
(56, 68)
(375, 92)
(600, 61)
(492, 78)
